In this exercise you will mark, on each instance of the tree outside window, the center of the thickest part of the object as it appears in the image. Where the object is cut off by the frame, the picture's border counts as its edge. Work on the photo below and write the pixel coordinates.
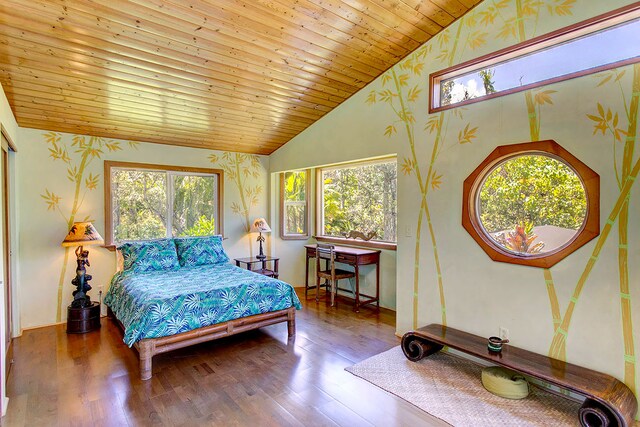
(294, 208)
(360, 198)
(149, 204)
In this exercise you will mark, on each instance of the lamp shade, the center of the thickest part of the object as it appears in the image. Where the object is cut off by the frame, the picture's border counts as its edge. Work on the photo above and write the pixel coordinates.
(81, 234)
(260, 225)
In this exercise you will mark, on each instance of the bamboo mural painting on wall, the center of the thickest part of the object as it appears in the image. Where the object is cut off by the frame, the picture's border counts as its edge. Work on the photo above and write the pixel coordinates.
(82, 152)
(518, 20)
(437, 125)
(528, 12)
(515, 27)
(608, 123)
(239, 168)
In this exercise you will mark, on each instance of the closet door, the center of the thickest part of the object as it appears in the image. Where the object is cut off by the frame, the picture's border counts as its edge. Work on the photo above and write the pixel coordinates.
(6, 252)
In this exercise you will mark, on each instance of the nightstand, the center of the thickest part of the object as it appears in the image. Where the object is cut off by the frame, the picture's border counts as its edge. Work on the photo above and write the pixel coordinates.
(84, 319)
(260, 265)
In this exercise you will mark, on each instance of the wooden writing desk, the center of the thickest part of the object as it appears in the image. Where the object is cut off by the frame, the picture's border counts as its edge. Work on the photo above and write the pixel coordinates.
(355, 257)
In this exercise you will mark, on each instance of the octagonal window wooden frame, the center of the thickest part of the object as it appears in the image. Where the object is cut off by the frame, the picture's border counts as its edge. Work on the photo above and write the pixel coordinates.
(471, 221)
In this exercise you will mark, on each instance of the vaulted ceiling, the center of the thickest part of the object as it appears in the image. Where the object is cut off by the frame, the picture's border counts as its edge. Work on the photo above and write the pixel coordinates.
(241, 75)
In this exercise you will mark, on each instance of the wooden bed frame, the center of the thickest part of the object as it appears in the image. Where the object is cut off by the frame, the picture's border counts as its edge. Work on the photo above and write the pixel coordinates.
(149, 347)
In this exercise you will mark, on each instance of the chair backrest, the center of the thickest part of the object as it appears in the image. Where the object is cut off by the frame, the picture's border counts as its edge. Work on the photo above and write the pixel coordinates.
(326, 252)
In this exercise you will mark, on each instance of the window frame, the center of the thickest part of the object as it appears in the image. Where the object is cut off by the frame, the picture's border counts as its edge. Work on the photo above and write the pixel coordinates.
(184, 170)
(574, 31)
(319, 219)
(472, 186)
(283, 205)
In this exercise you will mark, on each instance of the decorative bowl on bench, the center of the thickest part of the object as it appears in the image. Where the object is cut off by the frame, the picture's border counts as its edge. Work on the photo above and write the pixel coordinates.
(495, 344)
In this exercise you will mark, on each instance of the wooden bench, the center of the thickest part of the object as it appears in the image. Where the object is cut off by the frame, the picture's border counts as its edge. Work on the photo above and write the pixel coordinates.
(609, 402)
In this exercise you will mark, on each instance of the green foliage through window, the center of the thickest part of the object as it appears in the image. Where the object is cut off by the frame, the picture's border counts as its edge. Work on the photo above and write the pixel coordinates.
(149, 204)
(203, 227)
(361, 198)
(295, 203)
(526, 192)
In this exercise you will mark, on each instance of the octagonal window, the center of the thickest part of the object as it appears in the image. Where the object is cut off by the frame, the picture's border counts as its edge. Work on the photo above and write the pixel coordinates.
(531, 204)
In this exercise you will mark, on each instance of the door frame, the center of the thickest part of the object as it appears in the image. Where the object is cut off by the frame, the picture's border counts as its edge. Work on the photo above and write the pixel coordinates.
(7, 146)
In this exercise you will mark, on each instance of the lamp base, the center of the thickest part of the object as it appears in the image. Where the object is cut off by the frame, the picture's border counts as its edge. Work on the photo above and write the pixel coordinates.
(261, 255)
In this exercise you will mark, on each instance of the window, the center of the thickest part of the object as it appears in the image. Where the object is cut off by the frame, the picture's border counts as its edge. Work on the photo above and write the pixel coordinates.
(294, 205)
(585, 48)
(531, 204)
(358, 200)
(154, 201)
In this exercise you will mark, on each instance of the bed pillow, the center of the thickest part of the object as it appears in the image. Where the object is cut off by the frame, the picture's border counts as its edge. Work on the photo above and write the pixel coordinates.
(152, 255)
(194, 251)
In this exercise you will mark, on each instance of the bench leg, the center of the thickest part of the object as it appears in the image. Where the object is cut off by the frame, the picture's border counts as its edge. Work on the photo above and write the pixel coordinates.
(416, 348)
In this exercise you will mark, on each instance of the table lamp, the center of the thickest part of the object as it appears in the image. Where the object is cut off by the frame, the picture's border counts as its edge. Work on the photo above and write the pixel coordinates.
(81, 234)
(260, 225)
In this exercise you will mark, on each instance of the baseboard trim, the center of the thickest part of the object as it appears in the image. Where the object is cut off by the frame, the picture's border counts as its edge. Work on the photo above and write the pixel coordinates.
(43, 326)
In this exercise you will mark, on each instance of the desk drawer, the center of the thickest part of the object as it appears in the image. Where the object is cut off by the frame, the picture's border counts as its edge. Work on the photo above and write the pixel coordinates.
(346, 259)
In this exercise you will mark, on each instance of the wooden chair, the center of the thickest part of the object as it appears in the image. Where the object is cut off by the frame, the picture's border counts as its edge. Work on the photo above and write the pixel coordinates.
(330, 274)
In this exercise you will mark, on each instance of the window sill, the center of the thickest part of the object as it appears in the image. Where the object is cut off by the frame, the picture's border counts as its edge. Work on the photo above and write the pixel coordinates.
(360, 243)
(295, 237)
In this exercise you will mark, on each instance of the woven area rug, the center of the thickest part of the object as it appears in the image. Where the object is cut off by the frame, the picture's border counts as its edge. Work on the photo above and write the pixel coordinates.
(450, 388)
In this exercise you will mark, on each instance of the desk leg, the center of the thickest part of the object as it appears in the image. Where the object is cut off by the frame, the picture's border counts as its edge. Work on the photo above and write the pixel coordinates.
(357, 271)
(306, 276)
(378, 284)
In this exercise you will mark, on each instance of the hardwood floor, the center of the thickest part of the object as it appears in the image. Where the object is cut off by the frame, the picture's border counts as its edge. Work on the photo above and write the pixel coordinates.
(257, 378)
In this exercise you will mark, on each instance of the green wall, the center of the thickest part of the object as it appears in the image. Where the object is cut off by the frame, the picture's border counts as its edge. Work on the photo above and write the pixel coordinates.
(581, 309)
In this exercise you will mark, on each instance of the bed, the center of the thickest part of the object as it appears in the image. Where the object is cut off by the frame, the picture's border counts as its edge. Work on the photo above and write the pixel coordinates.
(165, 302)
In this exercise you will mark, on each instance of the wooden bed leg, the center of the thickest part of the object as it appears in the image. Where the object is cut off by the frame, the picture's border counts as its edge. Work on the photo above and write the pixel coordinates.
(145, 352)
(291, 321)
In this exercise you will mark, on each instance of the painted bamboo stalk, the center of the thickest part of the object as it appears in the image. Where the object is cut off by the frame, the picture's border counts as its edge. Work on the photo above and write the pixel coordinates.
(558, 344)
(74, 210)
(534, 134)
(235, 167)
(623, 252)
(553, 299)
(443, 305)
(63, 272)
(425, 191)
(432, 234)
(416, 168)
(240, 184)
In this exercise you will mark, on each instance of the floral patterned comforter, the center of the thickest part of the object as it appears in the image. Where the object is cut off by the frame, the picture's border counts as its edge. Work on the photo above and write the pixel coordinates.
(160, 303)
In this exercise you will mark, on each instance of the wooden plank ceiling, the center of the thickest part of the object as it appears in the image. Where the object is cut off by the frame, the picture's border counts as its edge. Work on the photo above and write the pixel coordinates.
(241, 75)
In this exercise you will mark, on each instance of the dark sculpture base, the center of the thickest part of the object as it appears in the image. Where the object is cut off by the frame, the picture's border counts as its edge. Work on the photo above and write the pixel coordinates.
(83, 320)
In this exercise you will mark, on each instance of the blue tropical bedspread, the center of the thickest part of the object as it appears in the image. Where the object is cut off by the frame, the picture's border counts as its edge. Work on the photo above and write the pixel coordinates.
(160, 303)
